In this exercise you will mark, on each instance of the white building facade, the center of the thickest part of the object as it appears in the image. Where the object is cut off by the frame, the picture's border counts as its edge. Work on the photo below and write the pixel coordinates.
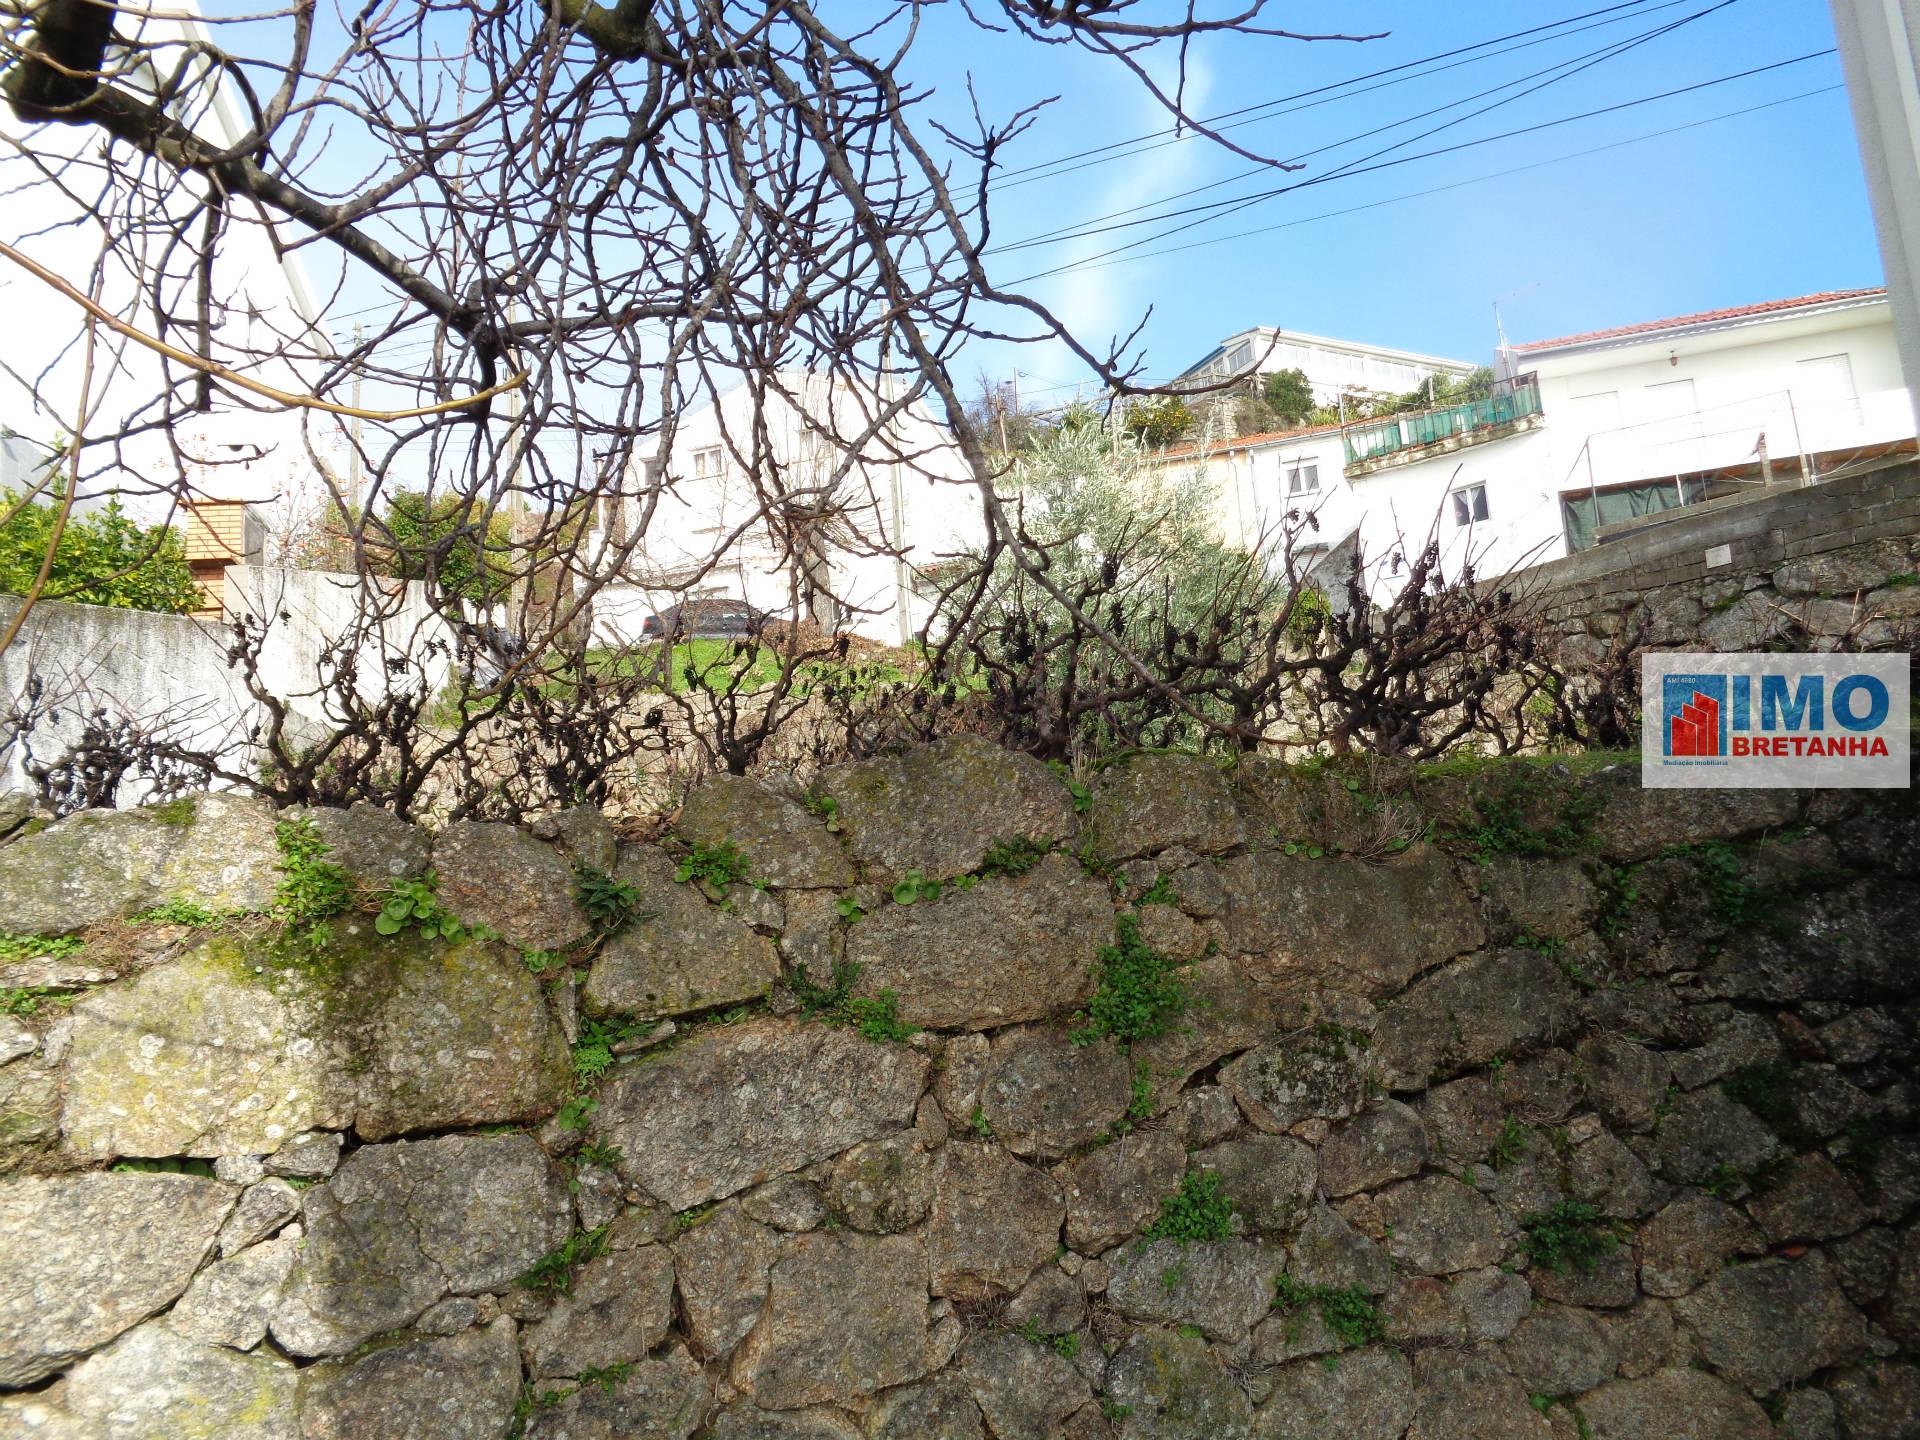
(766, 497)
(1332, 367)
(1586, 433)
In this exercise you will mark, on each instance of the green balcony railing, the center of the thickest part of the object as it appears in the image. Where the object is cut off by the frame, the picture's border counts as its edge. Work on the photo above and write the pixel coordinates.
(1374, 438)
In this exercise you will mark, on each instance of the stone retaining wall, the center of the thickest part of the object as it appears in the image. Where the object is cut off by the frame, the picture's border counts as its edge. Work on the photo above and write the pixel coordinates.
(1790, 564)
(1181, 1104)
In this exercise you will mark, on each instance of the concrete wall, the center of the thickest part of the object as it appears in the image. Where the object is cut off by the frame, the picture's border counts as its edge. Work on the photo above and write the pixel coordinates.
(169, 674)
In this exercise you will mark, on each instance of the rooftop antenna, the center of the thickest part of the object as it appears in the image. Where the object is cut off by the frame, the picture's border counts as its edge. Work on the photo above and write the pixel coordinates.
(1500, 330)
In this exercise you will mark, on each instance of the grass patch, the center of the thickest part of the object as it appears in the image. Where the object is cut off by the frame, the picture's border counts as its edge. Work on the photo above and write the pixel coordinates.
(1198, 1210)
(179, 910)
(1140, 992)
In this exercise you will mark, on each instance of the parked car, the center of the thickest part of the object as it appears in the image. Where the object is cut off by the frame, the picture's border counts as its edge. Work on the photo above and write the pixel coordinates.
(705, 619)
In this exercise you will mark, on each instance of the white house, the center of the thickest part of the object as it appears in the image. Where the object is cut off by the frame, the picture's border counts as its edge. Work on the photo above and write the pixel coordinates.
(232, 452)
(1584, 433)
(1333, 367)
(807, 499)
(1593, 430)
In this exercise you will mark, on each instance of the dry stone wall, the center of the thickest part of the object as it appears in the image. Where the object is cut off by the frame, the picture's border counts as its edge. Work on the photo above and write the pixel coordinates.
(956, 1100)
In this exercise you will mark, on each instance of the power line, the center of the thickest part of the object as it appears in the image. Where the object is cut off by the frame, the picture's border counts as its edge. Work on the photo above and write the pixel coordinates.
(1107, 263)
(1226, 207)
(1591, 57)
(1212, 122)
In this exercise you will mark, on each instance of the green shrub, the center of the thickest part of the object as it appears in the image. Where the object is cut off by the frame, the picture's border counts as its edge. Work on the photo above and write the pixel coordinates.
(876, 1017)
(103, 558)
(712, 865)
(312, 888)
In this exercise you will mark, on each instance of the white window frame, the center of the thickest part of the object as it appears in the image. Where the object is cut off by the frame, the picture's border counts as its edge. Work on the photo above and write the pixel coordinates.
(708, 462)
(1297, 470)
(1469, 504)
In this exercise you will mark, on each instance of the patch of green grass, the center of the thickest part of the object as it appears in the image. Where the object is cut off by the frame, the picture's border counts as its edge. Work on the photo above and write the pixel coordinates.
(1508, 820)
(167, 1165)
(15, 948)
(1509, 1145)
(1140, 1102)
(1348, 1311)
(1571, 1233)
(1198, 1210)
(553, 1272)
(1014, 856)
(712, 865)
(979, 1123)
(610, 905)
(1140, 991)
(876, 1017)
(175, 812)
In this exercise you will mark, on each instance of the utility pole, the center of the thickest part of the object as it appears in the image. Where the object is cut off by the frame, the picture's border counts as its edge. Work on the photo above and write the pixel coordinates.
(1880, 56)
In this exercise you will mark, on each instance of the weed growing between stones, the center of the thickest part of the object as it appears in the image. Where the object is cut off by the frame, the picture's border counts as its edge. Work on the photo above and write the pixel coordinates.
(598, 1152)
(312, 888)
(553, 1272)
(14, 948)
(593, 1051)
(416, 903)
(166, 1165)
(1140, 992)
(914, 886)
(876, 1017)
(610, 905)
(1571, 1233)
(1509, 1145)
(1158, 893)
(25, 1001)
(607, 1376)
(712, 866)
(1198, 1210)
(1015, 856)
(179, 910)
(1082, 796)
(979, 1123)
(1066, 1345)
(1509, 822)
(1348, 1312)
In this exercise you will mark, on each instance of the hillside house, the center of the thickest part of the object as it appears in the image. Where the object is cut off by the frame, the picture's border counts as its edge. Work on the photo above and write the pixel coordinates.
(1333, 367)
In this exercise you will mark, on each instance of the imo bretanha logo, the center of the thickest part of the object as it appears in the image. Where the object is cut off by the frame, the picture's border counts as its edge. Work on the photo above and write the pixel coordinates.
(1751, 720)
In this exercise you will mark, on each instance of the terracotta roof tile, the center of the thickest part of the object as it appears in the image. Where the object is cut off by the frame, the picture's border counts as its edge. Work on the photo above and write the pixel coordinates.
(1825, 297)
(1242, 442)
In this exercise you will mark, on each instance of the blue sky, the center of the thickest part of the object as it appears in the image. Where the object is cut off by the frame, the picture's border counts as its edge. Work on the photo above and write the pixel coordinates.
(1761, 205)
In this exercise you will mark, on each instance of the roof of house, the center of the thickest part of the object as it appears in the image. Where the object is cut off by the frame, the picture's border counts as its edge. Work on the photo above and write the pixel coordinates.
(1327, 342)
(1244, 442)
(1703, 317)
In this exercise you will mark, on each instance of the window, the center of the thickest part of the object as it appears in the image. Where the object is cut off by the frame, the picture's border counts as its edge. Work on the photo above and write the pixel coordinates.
(1303, 478)
(1469, 504)
(706, 463)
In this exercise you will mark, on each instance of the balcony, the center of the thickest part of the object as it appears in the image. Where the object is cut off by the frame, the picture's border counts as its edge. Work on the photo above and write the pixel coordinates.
(1414, 435)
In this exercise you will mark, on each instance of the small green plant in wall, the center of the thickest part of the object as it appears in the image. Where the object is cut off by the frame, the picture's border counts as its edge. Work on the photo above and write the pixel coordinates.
(1571, 1233)
(1015, 856)
(312, 887)
(15, 948)
(711, 867)
(610, 905)
(914, 886)
(1348, 1311)
(1199, 1210)
(415, 904)
(1140, 990)
(876, 1017)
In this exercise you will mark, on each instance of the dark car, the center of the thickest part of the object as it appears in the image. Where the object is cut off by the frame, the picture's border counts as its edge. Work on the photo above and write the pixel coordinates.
(705, 619)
